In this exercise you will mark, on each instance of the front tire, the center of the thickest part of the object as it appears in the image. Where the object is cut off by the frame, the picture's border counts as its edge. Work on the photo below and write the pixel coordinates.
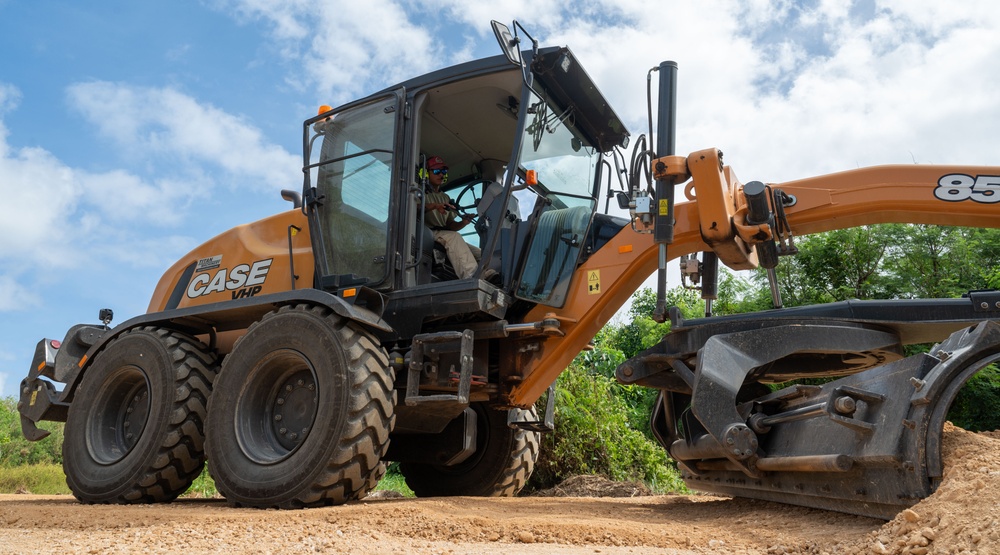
(500, 467)
(302, 412)
(135, 430)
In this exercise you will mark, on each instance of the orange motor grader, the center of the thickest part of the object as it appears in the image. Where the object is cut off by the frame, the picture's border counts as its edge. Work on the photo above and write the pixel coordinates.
(299, 353)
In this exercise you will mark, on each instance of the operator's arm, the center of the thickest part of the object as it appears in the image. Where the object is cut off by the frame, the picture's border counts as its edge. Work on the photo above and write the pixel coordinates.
(453, 221)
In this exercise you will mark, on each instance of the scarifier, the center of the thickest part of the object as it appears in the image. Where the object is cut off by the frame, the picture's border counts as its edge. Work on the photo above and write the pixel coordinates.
(301, 352)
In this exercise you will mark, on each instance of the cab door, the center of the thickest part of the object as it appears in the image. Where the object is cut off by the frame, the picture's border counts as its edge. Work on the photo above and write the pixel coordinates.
(352, 166)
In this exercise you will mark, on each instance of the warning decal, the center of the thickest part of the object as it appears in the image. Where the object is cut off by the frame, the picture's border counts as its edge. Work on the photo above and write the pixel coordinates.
(594, 282)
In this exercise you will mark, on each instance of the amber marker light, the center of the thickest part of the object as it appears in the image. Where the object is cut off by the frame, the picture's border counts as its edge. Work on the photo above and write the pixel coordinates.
(531, 177)
(624, 249)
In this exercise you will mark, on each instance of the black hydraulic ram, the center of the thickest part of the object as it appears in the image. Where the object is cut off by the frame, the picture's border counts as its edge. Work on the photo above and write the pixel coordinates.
(759, 213)
(663, 221)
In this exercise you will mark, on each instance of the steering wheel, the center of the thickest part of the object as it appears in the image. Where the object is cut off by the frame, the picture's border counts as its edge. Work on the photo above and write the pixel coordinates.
(470, 208)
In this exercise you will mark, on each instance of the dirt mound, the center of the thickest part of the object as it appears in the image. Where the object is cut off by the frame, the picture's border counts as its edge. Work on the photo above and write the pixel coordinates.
(961, 517)
(594, 486)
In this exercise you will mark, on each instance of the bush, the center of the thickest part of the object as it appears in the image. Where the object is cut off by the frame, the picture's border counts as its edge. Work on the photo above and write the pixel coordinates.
(977, 406)
(15, 450)
(593, 434)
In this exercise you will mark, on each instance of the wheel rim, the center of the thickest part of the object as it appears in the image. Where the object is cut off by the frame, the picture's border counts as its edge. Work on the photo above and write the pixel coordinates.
(123, 408)
(277, 407)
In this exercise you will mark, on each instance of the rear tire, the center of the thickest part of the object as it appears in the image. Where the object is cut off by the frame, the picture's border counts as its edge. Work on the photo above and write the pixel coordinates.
(302, 412)
(500, 467)
(135, 431)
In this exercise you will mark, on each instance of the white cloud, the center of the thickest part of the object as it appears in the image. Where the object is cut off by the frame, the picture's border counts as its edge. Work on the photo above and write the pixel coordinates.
(164, 124)
(347, 49)
(786, 89)
(14, 296)
(58, 219)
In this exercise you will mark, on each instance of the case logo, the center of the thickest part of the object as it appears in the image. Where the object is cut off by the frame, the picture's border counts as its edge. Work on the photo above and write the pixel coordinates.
(244, 280)
(956, 187)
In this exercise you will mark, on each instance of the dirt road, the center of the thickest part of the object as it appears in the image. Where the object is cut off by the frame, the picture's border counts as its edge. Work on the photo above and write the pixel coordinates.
(962, 517)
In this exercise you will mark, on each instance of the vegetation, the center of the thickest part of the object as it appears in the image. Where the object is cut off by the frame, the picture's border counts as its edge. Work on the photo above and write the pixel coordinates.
(601, 426)
(40, 479)
(17, 451)
(394, 481)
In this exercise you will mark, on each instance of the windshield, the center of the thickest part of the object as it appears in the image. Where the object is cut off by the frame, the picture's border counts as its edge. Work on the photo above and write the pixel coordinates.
(565, 165)
(563, 160)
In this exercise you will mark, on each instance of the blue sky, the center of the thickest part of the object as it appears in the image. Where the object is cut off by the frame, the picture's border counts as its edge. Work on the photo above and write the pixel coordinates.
(130, 132)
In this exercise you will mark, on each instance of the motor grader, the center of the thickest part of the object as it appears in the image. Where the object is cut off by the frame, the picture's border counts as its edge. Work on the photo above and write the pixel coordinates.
(300, 353)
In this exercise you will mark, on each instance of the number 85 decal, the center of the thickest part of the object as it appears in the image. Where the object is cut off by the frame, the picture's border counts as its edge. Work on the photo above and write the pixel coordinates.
(957, 187)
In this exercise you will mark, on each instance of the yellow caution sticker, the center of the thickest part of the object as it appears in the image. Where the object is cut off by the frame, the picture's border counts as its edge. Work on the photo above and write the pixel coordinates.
(34, 397)
(594, 282)
(664, 207)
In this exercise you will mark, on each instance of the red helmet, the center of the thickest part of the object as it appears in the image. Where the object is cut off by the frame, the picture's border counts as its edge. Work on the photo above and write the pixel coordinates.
(436, 162)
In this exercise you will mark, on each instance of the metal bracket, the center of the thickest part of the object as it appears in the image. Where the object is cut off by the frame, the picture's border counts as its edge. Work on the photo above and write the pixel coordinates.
(985, 301)
(546, 424)
(461, 396)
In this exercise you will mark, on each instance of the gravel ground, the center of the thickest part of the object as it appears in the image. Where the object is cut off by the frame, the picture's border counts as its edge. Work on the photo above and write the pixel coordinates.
(960, 518)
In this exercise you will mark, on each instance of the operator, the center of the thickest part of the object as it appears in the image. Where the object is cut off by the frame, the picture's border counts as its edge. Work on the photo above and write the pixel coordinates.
(441, 216)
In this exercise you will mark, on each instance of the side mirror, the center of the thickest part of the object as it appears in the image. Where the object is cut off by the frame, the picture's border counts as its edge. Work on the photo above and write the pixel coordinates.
(623, 200)
(508, 44)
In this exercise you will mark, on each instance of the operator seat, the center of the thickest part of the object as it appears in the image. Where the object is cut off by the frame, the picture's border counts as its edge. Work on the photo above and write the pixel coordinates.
(493, 213)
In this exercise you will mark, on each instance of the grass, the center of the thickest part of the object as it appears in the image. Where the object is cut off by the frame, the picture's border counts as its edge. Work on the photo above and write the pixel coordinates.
(394, 481)
(39, 479)
(48, 479)
(203, 486)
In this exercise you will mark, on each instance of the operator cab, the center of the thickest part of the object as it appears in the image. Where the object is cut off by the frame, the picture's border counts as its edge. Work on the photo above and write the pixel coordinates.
(524, 144)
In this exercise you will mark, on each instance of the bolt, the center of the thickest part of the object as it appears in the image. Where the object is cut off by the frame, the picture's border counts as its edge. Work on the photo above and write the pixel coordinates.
(845, 405)
(729, 441)
(129, 410)
(283, 431)
(736, 452)
(127, 423)
(301, 383)
(984, 305)
(293, 436)
(311, 387)
(288, 387)
(997, 304)
(627, 371)
(280, 401)
(305, 431)
(277, 418)
(917, 383)
(129, 436)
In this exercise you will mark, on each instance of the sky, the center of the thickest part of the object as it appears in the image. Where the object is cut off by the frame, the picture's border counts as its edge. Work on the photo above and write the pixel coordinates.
(131, 132)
